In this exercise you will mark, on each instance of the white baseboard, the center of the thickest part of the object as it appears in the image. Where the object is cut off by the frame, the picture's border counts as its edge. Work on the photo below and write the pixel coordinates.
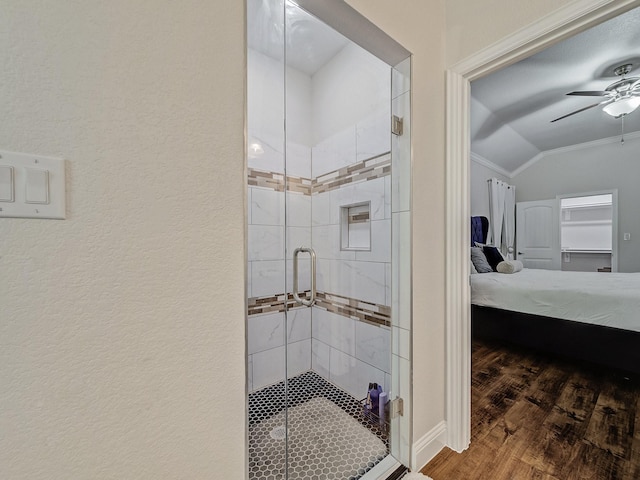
(428, 446)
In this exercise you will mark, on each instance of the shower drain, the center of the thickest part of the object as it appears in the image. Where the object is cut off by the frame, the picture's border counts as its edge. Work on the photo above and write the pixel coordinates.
(278, 433)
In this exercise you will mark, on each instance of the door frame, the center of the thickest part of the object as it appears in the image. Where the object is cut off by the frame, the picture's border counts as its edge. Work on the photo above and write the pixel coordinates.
(568, 20)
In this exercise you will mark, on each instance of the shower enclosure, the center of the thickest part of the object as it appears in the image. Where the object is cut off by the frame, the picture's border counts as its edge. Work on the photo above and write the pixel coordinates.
(328, 274)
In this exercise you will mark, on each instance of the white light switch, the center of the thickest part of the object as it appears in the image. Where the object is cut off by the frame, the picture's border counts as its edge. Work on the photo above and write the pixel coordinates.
(627, 237)
(6, 183)
(37, 186)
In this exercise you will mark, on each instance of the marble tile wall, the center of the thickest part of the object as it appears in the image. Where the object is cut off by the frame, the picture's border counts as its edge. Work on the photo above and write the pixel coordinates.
(351, 320)
(350, 353)
(355, 328)
(266, 346)
(349, 339)
(270, 271)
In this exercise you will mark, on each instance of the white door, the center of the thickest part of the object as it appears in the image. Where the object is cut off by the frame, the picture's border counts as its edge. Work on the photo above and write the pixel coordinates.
(538, 234)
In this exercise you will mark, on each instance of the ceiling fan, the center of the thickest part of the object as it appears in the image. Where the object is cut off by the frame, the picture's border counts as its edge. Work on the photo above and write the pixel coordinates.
(621, 97)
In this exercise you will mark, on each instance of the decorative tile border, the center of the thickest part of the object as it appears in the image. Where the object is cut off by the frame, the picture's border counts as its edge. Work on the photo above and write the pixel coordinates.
(370, 169)
(299, 185)
(270, 304)
(353, 308)
(347, 307)
(275, 181)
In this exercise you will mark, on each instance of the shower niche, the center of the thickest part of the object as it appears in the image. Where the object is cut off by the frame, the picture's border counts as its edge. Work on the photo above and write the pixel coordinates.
(328, 274)
(355, 227)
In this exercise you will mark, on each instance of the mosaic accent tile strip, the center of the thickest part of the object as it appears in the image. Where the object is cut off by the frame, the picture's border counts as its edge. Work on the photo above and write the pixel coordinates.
(370, 169)
(275, 181)
(272, 303)
(347, 307)
(353, 308)
(258, 178)
(266, 444)
(299, 185)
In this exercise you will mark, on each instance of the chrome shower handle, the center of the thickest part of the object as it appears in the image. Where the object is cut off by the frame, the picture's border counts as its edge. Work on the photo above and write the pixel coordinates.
(296, 296)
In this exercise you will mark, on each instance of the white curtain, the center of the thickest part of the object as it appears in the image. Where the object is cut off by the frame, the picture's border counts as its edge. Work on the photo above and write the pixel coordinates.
(510, 221)
(502, 220)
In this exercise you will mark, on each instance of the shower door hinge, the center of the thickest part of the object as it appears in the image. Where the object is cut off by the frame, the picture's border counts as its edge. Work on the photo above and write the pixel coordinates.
(396, 125)
(397, 407)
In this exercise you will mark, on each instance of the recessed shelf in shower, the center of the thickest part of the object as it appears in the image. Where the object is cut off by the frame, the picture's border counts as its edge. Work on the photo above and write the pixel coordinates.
(355, 226)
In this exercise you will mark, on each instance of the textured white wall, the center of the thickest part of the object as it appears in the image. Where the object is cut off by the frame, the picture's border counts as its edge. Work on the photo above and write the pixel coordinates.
(472, 26)
(121, 328)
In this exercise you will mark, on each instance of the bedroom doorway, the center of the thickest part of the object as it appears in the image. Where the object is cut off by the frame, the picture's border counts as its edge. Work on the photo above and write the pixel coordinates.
(561, 24)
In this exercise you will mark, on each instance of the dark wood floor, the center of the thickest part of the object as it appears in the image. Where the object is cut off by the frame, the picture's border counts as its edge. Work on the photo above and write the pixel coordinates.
(536, 417)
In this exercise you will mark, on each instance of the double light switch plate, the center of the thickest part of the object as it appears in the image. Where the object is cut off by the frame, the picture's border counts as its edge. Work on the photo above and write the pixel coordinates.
(31, 186)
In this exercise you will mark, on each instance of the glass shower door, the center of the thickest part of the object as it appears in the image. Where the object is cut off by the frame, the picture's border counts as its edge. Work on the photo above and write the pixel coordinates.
(268, 291)
(338, 201)
(328, 316)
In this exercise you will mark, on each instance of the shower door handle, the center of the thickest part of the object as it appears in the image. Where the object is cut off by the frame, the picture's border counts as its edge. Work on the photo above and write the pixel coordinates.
(296, 296)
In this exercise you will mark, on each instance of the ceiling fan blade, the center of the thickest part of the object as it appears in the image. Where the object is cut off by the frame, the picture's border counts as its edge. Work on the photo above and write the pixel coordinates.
(590, 93)
(578, 111)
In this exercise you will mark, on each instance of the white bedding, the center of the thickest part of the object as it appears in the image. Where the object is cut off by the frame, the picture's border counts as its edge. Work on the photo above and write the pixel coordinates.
(609, 299)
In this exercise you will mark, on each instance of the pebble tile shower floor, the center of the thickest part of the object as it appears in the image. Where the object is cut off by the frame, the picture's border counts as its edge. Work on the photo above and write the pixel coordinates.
(330, 437)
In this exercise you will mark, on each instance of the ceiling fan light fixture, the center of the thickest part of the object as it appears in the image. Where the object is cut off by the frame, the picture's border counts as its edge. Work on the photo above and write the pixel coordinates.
(622, 106)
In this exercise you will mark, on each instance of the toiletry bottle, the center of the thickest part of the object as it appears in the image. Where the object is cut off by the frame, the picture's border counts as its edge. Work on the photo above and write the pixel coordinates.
(367, 402)
(374, 393)
(382, 403)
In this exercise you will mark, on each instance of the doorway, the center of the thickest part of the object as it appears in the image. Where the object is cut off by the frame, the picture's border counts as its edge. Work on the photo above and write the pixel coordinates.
(328, 177)
(560, 24)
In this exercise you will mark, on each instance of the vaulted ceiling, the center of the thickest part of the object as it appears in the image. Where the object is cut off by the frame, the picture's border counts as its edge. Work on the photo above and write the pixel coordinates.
(512, 109)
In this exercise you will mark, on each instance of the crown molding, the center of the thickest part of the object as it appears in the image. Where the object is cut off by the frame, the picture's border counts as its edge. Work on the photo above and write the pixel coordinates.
(479, 159)
(593, 143)
(572, 148)
(527, 164)
(566, 20)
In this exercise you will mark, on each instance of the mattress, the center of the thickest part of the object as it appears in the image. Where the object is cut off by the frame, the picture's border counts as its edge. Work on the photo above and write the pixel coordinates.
(608, 299)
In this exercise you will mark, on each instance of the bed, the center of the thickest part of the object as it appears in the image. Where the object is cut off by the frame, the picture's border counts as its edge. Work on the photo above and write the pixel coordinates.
(588, 316)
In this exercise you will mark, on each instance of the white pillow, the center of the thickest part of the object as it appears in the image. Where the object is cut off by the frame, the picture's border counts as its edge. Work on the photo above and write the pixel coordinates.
(509, 266)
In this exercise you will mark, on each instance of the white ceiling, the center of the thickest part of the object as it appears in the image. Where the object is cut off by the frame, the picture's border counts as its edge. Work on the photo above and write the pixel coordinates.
(310, 43)
(512, 109)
